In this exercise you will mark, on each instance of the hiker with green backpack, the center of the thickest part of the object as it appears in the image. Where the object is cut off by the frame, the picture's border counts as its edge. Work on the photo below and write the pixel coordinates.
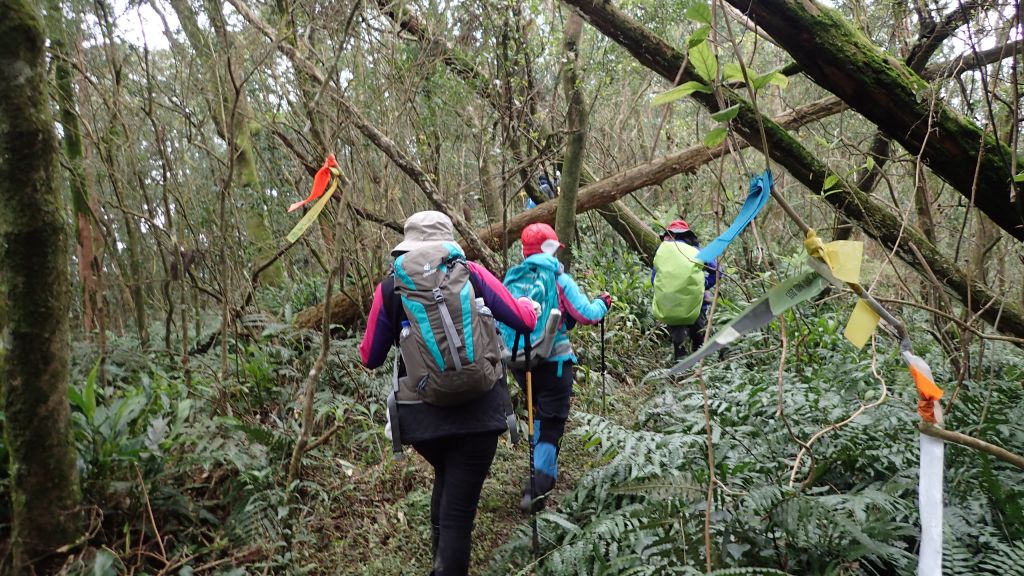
(682, 287)
(449, 398)
(541, 278)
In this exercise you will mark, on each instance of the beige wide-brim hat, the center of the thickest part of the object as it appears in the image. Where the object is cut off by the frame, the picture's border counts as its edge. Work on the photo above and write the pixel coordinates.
(425, 229)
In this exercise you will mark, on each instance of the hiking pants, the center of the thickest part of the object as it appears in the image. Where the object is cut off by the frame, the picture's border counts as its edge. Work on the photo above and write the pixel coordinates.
(552, 387)
(692, 335)
(460, 465)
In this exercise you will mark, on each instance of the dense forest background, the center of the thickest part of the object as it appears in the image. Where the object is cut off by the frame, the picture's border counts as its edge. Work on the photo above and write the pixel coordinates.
(182, 389)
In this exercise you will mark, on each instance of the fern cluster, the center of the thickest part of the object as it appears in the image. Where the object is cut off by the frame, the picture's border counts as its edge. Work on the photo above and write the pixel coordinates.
(852, 507)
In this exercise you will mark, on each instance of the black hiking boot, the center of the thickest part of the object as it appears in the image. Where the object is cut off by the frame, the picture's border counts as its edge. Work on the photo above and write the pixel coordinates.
(535, 501)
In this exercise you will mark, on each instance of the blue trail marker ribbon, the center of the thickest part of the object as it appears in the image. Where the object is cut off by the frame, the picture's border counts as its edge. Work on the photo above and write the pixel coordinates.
(760, 192)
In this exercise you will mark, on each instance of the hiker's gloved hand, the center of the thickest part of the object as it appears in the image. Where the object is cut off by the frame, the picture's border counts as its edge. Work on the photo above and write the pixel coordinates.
(606, 298)
(536, 307)
(533, 304)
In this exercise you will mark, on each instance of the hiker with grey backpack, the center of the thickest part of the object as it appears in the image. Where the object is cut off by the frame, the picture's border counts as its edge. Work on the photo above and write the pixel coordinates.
(449, 399)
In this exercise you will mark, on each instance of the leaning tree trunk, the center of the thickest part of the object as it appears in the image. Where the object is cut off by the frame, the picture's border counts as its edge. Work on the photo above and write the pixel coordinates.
(932, 35)
(36, 292)
(877, 220)
(576, 116)
(889, 94)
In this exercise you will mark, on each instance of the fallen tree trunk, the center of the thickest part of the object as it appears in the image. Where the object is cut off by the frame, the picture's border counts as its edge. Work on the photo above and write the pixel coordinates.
(902, 104)
(777, 143)
(345, 309)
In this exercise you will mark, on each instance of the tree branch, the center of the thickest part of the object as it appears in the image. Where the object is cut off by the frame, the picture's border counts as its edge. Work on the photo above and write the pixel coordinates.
(971, 442)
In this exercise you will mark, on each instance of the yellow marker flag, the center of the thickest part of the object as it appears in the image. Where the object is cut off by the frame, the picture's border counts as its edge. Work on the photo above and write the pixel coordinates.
(844, 257)
(862, 324)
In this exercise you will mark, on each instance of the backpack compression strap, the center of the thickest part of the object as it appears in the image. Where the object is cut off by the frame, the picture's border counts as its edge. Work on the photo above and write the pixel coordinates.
(455, 344)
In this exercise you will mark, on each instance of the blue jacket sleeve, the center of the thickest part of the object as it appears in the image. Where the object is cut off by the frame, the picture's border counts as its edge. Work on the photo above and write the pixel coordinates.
(711, 274)
(577, 304)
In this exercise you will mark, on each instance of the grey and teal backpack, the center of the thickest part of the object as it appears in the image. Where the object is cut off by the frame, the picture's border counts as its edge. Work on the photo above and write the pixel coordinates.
(678, 285)
(450, 347)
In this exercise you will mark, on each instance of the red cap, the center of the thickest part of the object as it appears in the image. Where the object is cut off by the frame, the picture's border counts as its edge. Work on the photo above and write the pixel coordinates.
(678, 227)
(539, 238)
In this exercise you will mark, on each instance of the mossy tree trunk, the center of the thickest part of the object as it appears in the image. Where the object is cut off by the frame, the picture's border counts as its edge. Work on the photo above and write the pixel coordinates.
(89, 267)
(36, 292)
(229, 107)
(877, 221)
(930, 37)
(576, 118)
(890, 95)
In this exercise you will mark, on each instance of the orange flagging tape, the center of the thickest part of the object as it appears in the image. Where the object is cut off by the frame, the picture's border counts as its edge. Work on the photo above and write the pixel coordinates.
(323, 176)
(928, 392)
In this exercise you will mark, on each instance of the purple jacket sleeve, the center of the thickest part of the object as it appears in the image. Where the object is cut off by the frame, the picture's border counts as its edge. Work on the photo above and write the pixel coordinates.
(517, 314)
(379, 335)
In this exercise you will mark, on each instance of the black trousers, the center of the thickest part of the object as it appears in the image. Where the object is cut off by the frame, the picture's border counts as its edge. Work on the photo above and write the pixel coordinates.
(460, 466)
(551, 393)
(687, 339)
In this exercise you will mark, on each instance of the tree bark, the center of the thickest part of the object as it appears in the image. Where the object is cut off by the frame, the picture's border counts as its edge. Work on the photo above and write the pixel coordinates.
(898, 101)
(34, 319)
(572, 163)
(876, 220)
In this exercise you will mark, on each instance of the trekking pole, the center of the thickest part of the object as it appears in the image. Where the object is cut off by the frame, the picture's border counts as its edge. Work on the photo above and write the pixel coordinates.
(533, 470)
(604, 368)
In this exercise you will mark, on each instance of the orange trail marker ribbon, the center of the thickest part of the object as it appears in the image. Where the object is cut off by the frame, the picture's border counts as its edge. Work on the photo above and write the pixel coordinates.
(323, 176)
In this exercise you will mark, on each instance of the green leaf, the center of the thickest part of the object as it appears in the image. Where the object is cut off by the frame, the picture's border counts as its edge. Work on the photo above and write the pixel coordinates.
(731, 72)
(715, 137)
(699, 13)
(704, 61)
(830, 182)
(775, 77)
(89, 394)
(104, 563)
(680, 91)
(698, 36)
(726, 114)
(1019, 177)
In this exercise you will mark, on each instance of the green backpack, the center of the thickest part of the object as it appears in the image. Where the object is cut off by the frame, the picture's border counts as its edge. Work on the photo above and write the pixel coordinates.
(678, 285)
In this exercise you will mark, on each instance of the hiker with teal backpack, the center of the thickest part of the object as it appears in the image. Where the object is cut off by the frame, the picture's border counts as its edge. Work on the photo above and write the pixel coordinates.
(541, 278)
(449, 399)
(682, 287)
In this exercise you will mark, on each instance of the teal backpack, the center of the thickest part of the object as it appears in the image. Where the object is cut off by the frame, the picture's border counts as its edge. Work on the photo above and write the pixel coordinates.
(540, 285)
(678, 285)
